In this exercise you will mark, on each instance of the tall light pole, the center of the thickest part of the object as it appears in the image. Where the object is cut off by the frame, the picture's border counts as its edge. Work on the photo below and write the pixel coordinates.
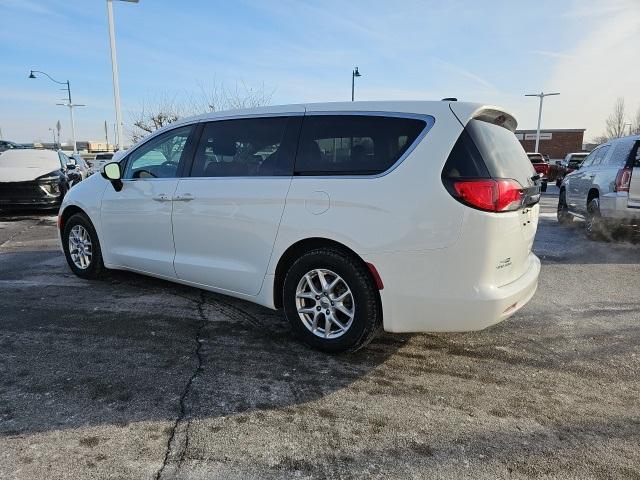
(114, 71)
(355, 73)
(69, 103)
(53, 134)
(541, 95)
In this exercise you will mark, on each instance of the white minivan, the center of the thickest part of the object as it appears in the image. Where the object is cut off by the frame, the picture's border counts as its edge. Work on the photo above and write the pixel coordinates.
(352, 217)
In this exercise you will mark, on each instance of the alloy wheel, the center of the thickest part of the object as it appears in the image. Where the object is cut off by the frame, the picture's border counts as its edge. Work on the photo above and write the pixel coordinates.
(325, 303)
(80, 247)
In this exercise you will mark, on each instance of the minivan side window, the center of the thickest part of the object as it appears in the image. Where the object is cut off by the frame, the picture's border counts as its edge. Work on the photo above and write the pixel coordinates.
(159, 157)
(354, 144)
(247, 147)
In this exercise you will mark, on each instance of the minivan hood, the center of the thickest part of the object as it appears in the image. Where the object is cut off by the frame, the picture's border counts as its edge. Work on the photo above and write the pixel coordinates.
(23, 174)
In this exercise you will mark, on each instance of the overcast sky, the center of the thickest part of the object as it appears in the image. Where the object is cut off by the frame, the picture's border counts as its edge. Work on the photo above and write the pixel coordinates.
(486, 51)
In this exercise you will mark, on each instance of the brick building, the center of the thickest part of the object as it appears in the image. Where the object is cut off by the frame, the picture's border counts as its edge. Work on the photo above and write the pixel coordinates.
(553, 142)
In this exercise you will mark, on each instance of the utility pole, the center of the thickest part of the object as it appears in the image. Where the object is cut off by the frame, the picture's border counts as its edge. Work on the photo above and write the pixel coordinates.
(540, 95)
(58, 128)
(114, 71)
(355, 73)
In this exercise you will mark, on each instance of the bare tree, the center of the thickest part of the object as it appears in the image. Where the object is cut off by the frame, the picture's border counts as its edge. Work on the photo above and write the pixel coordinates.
(635, 124)
(216, 96)
(616, 120)
(155, 114)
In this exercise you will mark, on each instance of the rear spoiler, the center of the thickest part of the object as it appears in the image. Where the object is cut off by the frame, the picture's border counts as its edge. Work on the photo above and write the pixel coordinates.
(487, 113)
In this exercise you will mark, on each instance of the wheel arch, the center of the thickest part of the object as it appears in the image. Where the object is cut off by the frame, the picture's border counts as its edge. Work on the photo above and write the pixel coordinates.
(300, 247)
(67, 213)
(593, 193)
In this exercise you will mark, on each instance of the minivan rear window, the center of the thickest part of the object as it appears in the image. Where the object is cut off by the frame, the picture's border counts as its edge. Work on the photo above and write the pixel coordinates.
(502, 152)
(486, 150)
(354, 144)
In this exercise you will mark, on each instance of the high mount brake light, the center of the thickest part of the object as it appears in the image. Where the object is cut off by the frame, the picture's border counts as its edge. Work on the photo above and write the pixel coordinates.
(502, 195)
(623, 180)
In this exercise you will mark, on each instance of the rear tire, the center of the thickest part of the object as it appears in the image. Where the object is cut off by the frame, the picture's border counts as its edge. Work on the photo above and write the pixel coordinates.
(313, 310)
(564, 217)
(594, 225)
(82, 247)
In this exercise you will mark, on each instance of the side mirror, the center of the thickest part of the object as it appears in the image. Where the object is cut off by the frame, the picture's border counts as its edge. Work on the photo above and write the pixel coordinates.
(111, 171)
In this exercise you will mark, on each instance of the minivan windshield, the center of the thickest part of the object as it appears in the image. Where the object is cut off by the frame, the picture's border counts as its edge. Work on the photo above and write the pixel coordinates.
(502, 152)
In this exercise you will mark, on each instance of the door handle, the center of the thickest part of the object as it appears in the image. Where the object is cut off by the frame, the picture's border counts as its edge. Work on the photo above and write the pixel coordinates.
(187, 197)
(161, 198)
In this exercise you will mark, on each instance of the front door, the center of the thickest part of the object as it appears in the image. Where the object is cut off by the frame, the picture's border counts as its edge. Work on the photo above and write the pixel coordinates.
(136, 221)
(227, 213)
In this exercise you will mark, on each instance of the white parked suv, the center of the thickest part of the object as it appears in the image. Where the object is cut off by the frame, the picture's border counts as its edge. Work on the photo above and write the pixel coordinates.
(605, 189)
(352, 217)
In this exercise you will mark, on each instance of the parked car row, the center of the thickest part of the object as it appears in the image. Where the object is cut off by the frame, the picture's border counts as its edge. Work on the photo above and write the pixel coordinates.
(604, 189)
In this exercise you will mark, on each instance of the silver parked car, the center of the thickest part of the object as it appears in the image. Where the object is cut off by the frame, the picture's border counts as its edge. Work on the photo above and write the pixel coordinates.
(605, 189)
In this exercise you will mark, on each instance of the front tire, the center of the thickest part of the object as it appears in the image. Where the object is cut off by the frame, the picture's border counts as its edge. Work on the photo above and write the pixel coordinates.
(331, 302)
(81, 247)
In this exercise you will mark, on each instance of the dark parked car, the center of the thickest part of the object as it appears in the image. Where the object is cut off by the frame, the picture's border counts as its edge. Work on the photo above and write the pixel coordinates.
(541, 166)
(34, 178)
(7, 145)
(570, 163)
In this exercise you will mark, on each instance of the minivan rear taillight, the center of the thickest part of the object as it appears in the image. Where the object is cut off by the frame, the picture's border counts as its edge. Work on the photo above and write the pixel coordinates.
(623, 180)
(502, 195)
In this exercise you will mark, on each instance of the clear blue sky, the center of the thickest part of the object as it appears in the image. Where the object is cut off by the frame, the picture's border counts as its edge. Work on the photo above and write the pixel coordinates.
(489, 51)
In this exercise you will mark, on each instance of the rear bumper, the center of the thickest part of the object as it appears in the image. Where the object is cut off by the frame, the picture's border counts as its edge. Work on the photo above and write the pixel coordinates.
(438, 300)
(614, 206)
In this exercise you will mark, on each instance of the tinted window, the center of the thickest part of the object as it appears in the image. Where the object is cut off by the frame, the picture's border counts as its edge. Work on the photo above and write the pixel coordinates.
(535, 157)
(621, 151)
(159, 157)
(247, 147)
(353, 144)
(465, 160)
(503, 154)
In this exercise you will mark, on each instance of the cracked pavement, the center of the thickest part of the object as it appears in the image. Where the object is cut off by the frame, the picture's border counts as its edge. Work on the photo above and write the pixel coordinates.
(132, 377)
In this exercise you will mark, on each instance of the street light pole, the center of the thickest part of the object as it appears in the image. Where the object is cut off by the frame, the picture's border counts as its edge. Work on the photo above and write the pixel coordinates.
(53, 134)
(69, 103)
(114, 71)
(355, 73)
(540, 95)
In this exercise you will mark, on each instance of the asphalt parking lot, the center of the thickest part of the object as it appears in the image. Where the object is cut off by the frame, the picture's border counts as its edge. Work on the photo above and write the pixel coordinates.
(136, 378)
